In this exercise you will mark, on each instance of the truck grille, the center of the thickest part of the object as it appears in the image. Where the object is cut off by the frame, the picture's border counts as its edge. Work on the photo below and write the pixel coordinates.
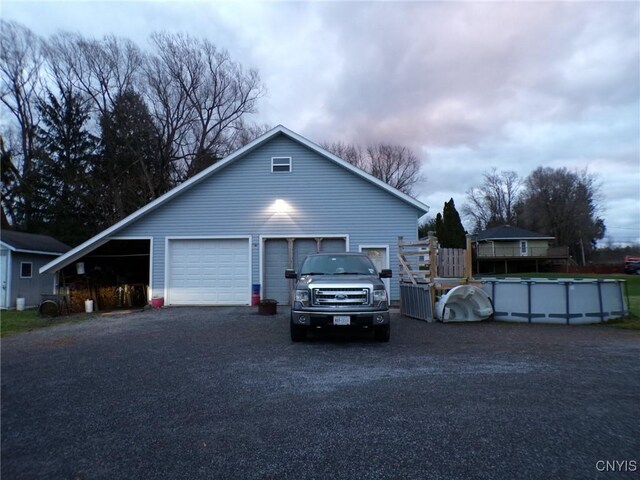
(340, 297)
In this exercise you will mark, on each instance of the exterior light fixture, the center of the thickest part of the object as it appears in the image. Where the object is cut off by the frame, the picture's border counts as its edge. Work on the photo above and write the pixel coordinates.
(280, 206)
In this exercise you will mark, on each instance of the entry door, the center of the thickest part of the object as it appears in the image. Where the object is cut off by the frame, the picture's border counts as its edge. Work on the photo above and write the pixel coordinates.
(4, 263)
(380, 258)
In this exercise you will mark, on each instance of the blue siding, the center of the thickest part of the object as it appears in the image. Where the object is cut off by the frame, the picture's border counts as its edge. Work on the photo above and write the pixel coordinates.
(325, 199)
(29, 288)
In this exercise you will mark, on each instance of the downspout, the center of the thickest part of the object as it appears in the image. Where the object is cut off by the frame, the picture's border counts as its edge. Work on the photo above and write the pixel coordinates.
(8, 302)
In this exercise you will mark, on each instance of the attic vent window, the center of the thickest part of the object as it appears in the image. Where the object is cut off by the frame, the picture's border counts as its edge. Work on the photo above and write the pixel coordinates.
(280, 164)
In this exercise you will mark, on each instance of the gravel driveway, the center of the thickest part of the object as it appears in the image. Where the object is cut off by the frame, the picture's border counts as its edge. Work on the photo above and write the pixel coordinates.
(223, 393)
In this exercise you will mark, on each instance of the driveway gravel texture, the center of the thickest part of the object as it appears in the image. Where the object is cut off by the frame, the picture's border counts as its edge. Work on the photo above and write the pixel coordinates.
(223, 393)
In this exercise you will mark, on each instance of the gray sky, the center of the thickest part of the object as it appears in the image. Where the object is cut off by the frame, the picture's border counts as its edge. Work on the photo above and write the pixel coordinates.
(468, 86)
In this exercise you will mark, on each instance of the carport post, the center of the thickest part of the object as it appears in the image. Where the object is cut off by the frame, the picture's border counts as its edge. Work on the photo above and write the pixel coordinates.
(290, 245)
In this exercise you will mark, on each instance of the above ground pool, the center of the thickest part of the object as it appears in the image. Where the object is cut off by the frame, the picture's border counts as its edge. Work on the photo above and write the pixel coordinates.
(556, 300)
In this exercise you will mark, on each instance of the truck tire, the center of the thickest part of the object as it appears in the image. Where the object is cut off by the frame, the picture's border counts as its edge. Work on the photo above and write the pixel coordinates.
(298, 333)
(382, 334)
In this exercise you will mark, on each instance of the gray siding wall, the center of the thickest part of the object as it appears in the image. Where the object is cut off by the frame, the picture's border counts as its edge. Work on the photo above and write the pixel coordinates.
(325, 199)
(29, 288)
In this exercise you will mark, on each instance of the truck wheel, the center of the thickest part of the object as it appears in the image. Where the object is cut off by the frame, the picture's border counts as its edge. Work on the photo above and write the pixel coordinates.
(298, 333)
(382, 334)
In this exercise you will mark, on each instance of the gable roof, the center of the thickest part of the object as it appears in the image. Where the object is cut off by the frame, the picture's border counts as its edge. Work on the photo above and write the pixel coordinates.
(507, 232)
(32, 243)
(103, 236)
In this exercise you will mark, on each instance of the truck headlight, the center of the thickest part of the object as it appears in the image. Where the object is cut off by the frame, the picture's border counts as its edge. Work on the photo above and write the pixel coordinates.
(302, 297)
(380, 297)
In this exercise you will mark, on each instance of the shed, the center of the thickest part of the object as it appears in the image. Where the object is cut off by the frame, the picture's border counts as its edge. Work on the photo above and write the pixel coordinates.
(241, 222)
(21, 257)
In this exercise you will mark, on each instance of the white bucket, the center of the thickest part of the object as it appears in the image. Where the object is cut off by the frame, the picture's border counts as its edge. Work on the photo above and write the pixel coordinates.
(20, 304)
(88, 306)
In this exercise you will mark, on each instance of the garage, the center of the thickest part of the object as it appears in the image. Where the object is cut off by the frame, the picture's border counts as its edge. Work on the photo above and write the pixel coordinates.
(282, 253)
(237, 225)
(208, 271)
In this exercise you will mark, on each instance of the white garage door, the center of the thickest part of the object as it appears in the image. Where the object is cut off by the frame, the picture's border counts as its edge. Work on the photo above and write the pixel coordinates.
(209, 272)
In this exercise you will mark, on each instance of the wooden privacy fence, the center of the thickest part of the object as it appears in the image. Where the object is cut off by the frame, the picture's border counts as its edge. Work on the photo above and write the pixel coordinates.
(426, 270)
(451, 262)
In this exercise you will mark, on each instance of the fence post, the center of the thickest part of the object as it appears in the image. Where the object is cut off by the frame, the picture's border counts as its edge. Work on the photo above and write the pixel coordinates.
(468, 260)
(433, 260)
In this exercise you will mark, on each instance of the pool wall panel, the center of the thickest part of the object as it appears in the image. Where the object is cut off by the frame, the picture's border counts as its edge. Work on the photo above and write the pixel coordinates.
(556, 301)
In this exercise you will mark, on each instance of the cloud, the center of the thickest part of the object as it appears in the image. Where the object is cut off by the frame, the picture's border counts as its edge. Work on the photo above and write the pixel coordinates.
(467, 85)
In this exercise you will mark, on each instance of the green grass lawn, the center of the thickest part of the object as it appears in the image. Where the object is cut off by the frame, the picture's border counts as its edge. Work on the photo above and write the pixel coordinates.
(12, 321)
(632, 321)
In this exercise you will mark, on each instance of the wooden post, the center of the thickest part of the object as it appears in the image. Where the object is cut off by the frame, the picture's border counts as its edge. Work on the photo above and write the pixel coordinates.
(468, 261)
(290, 253)
(433, 257)
(433, 269)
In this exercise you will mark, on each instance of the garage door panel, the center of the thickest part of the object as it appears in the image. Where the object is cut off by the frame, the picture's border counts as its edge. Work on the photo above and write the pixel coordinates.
(209, 272)
(276, 252)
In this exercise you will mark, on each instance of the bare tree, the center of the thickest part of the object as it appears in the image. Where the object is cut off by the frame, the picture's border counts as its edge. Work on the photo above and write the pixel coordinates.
(21, 62)
(351, 153)
(564, 204)
(395, 165)
(198, 96)
(102, 70)
(244, 133)
(493, 202)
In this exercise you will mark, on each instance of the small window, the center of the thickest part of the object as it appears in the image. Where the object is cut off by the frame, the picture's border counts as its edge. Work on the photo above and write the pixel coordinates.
(280, 164)
(523, 247)
(25, 269)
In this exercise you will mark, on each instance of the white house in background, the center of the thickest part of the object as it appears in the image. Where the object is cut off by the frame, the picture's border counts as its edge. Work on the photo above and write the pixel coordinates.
(243, 221)
(21, 257)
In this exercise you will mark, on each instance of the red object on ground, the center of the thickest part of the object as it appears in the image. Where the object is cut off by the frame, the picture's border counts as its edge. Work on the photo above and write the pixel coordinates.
(157, 302)
(255, 299)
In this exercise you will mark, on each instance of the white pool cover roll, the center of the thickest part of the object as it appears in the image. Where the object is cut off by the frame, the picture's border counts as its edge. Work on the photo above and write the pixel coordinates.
(464, 303)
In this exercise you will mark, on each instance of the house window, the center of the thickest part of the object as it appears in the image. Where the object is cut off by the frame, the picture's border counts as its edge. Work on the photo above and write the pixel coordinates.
(25, 269)
(280, 164)
(523, 248)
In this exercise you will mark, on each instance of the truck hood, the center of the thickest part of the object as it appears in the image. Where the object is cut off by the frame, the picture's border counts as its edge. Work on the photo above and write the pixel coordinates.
(310, 280)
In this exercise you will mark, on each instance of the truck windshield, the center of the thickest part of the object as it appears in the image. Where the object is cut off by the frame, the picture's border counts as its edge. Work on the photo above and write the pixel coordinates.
(338, 265)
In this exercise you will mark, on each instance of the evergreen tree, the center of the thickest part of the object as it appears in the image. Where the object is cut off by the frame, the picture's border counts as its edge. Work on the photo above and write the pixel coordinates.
(9, 178)
(429, 225)
(62, 204)
(439, 226)
(130, 173)
(452, 233)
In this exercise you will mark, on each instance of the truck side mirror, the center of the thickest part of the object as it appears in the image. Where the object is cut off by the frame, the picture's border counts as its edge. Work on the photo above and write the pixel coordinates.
(290, 274)
(386, 273)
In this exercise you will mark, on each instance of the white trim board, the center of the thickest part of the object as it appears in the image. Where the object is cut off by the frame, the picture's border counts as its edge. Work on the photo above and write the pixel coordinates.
(386, 281)
(34, 252)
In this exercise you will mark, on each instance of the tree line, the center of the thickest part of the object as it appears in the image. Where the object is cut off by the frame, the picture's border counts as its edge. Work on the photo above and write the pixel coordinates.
(97, 128)
(554, 201)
